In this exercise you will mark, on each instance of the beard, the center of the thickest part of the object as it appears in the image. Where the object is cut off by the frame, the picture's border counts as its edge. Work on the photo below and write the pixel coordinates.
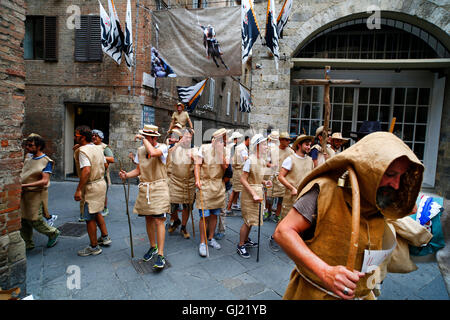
(385, 196)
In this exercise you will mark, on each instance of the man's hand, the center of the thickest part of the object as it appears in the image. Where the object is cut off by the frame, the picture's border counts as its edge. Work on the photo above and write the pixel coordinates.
(75, 147)
(337, 278)
(122, 174)
(293, 192)
(77, 195)
(139, 136)
(257, 198)
(198, 184)
(268, 183)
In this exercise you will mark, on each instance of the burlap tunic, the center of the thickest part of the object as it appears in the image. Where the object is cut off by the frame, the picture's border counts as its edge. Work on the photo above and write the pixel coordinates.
(278, 190)
(250, 208)
(211, 174)
(181, 118)
(237, 163)
(320, 155)
(300, 169)
(153, 196)
(181, 179)
(33, 197)
(94, 192)
(331, 238)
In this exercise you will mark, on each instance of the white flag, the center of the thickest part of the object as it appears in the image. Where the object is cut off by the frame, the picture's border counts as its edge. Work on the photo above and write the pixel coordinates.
(128, 38)
(105, 25)
(246, 100)
(283, 17)
(115, 39)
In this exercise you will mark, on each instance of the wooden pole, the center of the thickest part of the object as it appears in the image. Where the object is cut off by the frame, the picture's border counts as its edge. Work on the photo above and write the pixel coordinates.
(327, 110)
(354, 238)
(391, 129)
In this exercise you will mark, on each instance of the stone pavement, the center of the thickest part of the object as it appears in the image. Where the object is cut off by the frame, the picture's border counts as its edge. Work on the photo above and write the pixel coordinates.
(224, 275)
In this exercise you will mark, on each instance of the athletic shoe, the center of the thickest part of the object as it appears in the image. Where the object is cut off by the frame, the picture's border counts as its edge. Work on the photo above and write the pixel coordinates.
(202, 249)
(235, 207)
(104, 241)
(275, 218)
(219, 235)
(243, 252)
(52, 241)
(51, 220)
(213, 243)
(273, 245)
(81, 220)
(229, 213)
(250, 244)
(266, 215)
(150, 253)
(160, 262)
(90, 251)
(105, 212)
(174, 225)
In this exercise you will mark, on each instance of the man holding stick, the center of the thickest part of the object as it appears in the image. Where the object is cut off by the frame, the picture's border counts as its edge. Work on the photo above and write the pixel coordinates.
(210, 165)
(153, 200)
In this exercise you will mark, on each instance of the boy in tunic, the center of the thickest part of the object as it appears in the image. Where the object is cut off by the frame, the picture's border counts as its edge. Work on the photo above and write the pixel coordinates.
(35, 179)
(153, 200)
(91, 190)
(294, 168)
(180, 116)
(182, 181)
(252, 180)
(210, 165)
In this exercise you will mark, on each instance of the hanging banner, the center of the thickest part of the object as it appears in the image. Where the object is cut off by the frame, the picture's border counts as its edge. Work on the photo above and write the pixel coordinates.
(200, 42)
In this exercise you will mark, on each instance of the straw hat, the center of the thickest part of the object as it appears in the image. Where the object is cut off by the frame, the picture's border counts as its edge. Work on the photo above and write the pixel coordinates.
(257, 139)
(274, 135)
(338, 136)
(150, 130)
(176, 131)
(320, 129)
(285, 135)
(219, 133)
(235, 135)
(180, 104)
(300, 139)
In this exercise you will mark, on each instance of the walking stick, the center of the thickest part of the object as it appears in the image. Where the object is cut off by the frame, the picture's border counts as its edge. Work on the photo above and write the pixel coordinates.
(127, 195)
(355, 219)
(190, 210)
(204, 223)
(259, 231)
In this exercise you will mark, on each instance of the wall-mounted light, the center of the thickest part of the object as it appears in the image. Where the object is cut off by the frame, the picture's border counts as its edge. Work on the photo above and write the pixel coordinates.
(79, 111)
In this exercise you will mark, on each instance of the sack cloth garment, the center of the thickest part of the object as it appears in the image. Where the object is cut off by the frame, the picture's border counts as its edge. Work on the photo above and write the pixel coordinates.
(370, 158)
(278, 156)
(94, 192)
(250, 208)
(237, 163)
(181, 179)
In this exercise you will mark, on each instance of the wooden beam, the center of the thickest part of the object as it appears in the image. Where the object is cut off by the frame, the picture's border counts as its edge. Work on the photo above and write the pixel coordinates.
(322, 82)
(372, 63)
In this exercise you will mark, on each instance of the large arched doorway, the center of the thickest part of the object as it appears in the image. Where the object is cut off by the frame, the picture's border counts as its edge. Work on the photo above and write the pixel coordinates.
(399, 67)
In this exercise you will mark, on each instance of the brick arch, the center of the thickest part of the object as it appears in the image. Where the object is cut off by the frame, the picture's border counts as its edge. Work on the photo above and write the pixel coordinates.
(428, 15)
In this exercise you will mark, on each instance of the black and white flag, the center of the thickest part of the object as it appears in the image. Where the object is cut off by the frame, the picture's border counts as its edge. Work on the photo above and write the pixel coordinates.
(283, 17)
(128, 38)
(190, 95)
(246, 100)
(115, 38)
(271, 31)
(249, 28)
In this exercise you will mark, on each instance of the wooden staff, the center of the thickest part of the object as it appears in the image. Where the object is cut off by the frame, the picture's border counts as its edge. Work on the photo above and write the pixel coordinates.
(127, 195)
(190, 209)
(391, 129)
(355, 219)
(204, 223)
(327, 111)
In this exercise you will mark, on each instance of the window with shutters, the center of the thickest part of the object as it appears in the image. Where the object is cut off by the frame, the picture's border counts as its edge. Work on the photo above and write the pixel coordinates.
(88, 41)
(40, 42)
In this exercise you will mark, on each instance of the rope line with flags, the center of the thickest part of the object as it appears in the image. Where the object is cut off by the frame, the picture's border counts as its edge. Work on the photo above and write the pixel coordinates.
(249, 28)
(283, 17)
(191, 95)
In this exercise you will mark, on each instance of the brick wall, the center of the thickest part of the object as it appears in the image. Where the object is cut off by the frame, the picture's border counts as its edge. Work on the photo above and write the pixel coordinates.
(12, 85)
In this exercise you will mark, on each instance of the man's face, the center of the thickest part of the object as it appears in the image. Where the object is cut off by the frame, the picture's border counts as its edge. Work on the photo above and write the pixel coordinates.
(77, 137)
(186, 140)
(96, 139)
(30, 147)
(390, 182)
(263, 148)
(284, 143)
(306, 146)
(179, 108)
(220, 142)
(336, 143)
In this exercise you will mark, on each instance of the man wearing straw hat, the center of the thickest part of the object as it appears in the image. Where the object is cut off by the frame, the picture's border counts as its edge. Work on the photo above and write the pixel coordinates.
(180, 116)
(153, 200)
(317, 154)
(252, 180)
(277, 154)
(316, 232)
(91, 190)
(181, 180)
(337, 141)
(293, 169)
(210, 165)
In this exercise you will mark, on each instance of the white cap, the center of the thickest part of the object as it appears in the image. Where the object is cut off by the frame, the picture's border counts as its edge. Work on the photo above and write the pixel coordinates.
(257, 139)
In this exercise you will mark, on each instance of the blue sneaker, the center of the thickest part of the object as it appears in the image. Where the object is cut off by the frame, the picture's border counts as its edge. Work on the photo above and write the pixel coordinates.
(250, 244)
(219, 236)
(243, 252)
(150, 253)
(160, 262)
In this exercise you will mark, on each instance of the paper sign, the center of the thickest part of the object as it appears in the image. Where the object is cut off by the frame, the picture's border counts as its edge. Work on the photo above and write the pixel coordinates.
(373, 258)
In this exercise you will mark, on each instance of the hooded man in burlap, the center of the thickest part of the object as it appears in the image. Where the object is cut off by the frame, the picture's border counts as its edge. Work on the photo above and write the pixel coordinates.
(316, 232)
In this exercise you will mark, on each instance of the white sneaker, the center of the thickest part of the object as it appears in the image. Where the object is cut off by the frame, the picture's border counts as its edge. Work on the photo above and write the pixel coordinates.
(213, 243)
(235, 206)
(202, 249)
(52, 220)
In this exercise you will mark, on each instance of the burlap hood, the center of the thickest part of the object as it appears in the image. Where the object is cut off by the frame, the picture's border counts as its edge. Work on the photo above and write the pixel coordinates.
(370, 158)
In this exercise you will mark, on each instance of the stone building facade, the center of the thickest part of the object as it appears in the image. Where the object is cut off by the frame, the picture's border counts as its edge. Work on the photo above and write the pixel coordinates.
(12, 86)
(421, 73)
(63, 92)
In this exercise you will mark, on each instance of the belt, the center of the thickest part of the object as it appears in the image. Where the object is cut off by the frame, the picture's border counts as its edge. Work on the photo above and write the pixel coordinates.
(91, 182)
(147, 184)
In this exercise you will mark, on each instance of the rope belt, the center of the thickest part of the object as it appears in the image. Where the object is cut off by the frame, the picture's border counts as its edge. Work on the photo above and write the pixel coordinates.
(147, 184)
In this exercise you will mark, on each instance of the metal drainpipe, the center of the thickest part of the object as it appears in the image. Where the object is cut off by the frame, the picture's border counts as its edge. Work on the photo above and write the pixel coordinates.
(136, 46)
